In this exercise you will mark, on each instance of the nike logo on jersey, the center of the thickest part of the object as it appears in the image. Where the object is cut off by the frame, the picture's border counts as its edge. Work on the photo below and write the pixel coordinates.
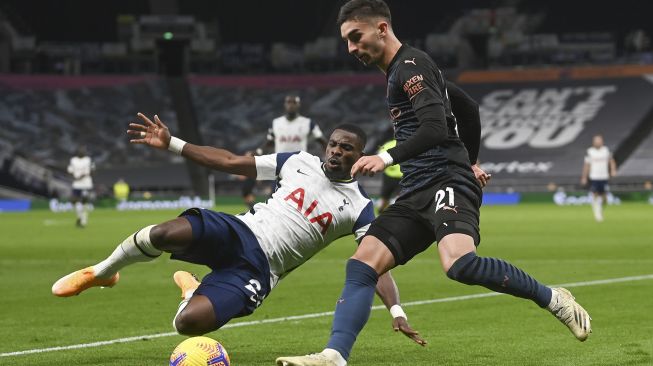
(410, 61)
(300, 172)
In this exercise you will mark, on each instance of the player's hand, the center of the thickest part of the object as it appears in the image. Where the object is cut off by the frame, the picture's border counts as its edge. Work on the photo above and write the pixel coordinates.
(583, 181)
(481, 176)
(368, 165)
(155, 134)
(400, 324)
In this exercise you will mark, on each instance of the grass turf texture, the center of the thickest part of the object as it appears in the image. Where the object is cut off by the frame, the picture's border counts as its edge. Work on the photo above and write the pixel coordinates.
(554, 244)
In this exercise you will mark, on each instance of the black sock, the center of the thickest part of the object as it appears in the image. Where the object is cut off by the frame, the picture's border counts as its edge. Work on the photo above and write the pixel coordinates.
(500, 276)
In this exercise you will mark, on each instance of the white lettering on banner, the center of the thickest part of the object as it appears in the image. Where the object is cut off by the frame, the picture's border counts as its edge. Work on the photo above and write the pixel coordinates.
(541, 118)
(561, 198)
(517, 167)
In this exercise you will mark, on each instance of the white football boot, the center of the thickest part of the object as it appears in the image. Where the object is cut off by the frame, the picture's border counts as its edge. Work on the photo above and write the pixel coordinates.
(564, 307)
(328, 357)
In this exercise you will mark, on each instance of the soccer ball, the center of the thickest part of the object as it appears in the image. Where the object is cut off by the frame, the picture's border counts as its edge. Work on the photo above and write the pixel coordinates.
(199, 351)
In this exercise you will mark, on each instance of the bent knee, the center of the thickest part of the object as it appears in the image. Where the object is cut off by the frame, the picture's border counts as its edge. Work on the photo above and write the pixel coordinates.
(159, 234)
(457, 268)
(186, 323)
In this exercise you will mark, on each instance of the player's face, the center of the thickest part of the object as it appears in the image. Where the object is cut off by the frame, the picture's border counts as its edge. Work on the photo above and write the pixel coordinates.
(597, 141)
(291, 104)
(364, 40)
(343, 150)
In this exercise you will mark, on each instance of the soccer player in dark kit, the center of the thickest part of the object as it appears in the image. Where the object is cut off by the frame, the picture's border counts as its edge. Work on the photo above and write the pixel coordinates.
(440, 196)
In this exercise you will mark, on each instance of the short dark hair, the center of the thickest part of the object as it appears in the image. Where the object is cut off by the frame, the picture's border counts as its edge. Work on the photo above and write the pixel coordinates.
(362, 136)
(358, 9)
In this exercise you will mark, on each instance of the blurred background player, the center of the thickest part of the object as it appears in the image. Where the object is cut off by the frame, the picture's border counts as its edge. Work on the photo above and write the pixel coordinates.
(121, 190)
(391, 178)
(291, 131)
(80, 167)
(599, 167)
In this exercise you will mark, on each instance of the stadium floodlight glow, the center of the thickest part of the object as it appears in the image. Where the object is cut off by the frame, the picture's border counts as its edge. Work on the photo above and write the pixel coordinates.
(168, 36)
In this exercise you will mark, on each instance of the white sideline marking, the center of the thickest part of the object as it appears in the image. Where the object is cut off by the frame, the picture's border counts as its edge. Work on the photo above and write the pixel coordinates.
(314, 315)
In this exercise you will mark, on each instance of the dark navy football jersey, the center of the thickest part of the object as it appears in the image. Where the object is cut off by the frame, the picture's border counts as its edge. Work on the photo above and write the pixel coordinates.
(415, 82)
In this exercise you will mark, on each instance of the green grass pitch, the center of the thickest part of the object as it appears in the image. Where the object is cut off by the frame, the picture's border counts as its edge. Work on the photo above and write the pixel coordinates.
(554, 244)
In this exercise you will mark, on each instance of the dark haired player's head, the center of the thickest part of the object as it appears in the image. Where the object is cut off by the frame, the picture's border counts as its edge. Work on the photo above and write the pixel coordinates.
(291, 105)
(81, 151)
(366, 26)
(344, 148)
(364, 10)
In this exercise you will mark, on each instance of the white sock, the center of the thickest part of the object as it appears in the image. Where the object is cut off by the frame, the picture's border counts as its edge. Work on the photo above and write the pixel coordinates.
(84, 214)
(189, 293)
(79, 208)
(334, 356)
(554, 300)
(597, 208)
(182, 306)
(135, 248)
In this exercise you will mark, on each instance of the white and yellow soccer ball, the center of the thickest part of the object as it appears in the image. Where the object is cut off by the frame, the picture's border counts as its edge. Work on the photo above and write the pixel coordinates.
(199, 351)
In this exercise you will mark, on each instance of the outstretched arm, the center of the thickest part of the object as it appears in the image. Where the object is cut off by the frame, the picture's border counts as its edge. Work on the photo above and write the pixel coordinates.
(157, 135)
(387, 290)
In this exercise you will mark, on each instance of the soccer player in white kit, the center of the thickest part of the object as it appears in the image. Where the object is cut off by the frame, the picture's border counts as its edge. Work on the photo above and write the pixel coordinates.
(315, 203)
(599, 167)
(80, 167)
(291, 131)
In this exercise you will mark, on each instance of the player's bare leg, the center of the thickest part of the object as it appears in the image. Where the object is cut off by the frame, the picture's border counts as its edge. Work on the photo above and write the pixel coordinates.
(143, 246)
(460, 262)
(195, 314)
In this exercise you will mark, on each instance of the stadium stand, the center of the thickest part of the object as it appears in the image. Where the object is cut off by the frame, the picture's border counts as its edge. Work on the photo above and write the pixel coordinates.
(534, 132)
(238, 75)
(640, 163)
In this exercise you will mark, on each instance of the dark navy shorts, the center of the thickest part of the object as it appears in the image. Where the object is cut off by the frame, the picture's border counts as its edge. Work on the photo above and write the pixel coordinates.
(240, 276)
(81, 194)
(598, 186)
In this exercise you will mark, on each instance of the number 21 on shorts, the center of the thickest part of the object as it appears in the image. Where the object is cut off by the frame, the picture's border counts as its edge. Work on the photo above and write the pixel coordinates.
(440, 196)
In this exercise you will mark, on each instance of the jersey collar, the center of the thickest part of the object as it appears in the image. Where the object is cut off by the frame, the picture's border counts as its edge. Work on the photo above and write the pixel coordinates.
(401, 50)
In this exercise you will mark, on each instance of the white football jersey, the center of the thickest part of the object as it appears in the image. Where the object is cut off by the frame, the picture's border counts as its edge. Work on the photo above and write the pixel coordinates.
(81, 169)
(599, 161)
(306, 212)
(292, 135)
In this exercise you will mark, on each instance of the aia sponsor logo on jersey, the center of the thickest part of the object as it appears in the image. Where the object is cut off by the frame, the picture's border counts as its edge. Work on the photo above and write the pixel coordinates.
(290, 138)
(322, 219)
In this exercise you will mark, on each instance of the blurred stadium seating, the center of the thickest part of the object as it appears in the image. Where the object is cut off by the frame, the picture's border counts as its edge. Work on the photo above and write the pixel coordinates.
(502, 53)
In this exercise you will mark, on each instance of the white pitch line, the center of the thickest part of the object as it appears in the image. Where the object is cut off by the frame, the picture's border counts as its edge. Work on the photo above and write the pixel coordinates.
(314, 315)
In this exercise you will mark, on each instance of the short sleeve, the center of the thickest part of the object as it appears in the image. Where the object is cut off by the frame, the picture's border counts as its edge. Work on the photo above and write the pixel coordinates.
(363, 222)
(316, 132)
(268, 167)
